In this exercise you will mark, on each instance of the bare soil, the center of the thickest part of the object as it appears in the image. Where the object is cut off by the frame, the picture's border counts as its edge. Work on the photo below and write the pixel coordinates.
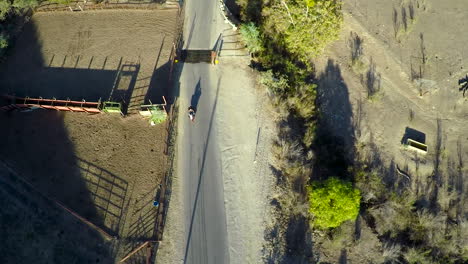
(394, 74)
(383, 117)
(119, 55)
(106, 168)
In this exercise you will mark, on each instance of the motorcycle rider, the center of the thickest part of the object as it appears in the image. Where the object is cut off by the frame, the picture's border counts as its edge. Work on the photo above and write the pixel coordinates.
(191, 113)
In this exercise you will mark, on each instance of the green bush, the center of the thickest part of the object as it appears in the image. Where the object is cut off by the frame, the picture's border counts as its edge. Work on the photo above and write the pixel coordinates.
(251, 36)
(332, 202)
(3, 42)
(158, 116)
(20, 4)
(303, 101)
(305, 28)
(61, 1)
(417, 256)
(5, 8)
(276, 85)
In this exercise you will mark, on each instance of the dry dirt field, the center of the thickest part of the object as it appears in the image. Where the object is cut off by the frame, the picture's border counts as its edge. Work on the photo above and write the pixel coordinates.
(106, 168)
(394, 74)
(113, 55)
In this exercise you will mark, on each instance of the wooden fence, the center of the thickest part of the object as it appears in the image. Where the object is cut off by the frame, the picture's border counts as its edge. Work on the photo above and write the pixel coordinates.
(90, 5)
(27, 104)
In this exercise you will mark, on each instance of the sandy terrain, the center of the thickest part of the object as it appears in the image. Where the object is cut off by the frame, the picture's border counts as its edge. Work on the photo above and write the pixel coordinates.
(386, 67)
(119, 55)
(409, 56)
(245, 156)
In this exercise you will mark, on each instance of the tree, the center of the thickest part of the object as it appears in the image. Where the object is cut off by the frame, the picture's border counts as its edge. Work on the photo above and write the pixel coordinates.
(251, 36)
(5, 7)
(304, 27)
(3, 42)
(332, 202)
(20, 4)
(65, 1)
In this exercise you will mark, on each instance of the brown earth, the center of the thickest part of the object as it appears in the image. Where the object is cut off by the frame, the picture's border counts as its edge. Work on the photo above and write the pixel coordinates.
(106, 168)
(110, 55)
(385, 65)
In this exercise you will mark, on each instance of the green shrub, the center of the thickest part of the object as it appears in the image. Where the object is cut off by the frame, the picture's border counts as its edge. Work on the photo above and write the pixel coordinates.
(276, 85)
(61, 1)
(3, 42)
(158, 116)
(21, 4)
(417, 256)
(304, 27)
(5, 8)
(251, 36)
(303, 100)
(332, 202)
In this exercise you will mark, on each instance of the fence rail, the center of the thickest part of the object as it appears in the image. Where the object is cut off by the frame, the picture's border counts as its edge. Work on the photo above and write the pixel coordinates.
(27, 103)
(90, 5)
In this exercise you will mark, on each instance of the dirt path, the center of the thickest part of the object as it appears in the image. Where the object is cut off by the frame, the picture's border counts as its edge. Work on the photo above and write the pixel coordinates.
(245, 152)
(244, 133)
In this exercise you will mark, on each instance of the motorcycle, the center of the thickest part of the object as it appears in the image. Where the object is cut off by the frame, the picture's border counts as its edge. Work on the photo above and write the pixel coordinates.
(191, 113)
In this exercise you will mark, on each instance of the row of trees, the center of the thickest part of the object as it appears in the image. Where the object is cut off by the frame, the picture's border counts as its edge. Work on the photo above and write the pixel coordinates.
(284, 39)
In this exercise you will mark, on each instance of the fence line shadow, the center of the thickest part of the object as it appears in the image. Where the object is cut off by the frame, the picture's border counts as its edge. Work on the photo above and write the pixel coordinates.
(108, 192)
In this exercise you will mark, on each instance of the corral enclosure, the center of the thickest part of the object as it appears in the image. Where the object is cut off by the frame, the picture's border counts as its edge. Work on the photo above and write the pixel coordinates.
(108, 55)
(106, 168)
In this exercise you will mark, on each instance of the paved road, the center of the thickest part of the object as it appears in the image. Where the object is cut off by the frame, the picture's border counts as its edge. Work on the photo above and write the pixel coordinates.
(199, 157)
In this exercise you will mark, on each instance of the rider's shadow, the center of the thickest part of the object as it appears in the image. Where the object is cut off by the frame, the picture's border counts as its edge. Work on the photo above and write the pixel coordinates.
(196, 95)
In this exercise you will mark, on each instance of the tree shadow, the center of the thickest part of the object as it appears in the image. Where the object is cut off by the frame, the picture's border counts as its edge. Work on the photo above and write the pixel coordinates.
(253, 11)
(43, 155)
(355, 45)
(404, 18)
(372, 79)
(297, 241)
(438, 149)
(343, 257)
(396, 22)
(334, 141)
(411, 11)
(463, 85)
